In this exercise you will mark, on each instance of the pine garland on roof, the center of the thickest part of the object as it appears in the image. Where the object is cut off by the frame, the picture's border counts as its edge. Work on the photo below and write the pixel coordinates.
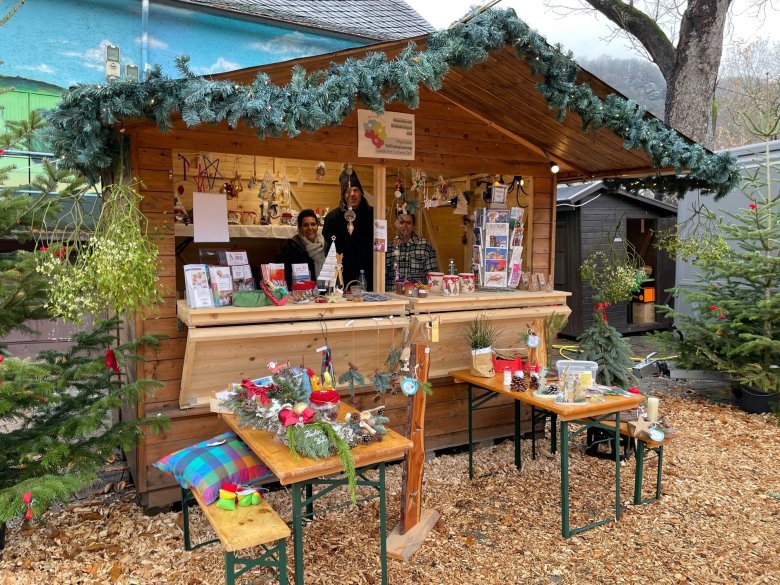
(85, 128)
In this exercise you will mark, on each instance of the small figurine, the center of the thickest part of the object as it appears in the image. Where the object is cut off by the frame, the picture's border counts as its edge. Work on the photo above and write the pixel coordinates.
(369, 425)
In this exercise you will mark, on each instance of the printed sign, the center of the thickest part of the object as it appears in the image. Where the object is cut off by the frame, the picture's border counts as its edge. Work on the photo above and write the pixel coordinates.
(389, 135)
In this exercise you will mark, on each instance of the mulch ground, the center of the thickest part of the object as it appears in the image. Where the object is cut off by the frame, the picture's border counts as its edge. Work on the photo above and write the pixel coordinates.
(717, 522)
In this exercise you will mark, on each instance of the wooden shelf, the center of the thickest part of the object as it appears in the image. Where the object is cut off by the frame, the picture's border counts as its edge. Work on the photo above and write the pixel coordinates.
(279, 232)
(291, 312)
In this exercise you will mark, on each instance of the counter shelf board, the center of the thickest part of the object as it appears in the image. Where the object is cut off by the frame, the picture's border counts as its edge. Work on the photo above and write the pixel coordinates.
(484, 299)
(279, 232)
(215, 357)
(290, 312)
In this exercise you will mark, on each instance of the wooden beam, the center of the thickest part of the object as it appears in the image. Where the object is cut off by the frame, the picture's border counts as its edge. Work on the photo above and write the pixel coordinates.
(380, 205)
(416, 523)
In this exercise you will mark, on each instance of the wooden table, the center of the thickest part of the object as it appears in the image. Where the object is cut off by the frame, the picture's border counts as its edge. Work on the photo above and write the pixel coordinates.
(303, 472)
(585, 415)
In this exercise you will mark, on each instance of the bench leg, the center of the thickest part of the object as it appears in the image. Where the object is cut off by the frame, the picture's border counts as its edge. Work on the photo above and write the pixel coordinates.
(641, 450)
(186, 501)
(660, 451)
(274, 557)
(640, 464)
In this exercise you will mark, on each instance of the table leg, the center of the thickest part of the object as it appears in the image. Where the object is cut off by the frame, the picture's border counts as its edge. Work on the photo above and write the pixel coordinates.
(660, 452)
(553, 433)
(518, 461)
(617, 465)
(533, 432)
(638, 474)
(382, 524)
(471, 444)
(297, 532)
(565, 479)
(310, 502)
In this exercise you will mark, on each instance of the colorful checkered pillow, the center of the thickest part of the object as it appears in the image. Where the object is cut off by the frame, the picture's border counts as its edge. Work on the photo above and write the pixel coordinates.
(204, 466)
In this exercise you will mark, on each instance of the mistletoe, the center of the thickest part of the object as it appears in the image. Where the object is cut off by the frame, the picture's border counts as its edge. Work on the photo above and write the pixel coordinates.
(352, 378)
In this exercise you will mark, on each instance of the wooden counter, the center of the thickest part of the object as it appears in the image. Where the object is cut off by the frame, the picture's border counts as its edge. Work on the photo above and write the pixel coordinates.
(290, 312)
(484, 300)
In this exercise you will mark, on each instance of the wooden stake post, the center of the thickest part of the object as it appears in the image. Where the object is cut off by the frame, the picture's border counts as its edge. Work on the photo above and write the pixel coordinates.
(416, 523)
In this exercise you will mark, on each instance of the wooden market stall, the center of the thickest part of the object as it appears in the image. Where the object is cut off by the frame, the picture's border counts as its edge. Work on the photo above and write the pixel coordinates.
(487, 120)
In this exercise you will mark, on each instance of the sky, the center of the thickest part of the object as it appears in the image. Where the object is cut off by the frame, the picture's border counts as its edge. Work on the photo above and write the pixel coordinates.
(581, 33)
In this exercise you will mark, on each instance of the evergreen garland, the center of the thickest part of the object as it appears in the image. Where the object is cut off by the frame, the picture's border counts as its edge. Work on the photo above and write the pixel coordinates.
(85, 128)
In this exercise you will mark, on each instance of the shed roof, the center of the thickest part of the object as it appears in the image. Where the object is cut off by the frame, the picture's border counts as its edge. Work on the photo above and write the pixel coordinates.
(501, 93)
(377, 20)
(572, 194)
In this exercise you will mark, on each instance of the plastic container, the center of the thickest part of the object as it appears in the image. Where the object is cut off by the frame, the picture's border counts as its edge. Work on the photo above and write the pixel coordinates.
(577, 367)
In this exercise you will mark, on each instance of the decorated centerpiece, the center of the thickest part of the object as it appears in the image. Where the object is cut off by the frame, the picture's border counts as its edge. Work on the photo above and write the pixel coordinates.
(302, 409)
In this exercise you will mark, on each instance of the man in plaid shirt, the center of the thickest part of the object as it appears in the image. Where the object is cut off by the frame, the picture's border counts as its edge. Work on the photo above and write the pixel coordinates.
(415, 256)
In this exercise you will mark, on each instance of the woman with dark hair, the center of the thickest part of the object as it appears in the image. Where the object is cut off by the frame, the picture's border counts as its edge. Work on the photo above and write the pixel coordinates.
(305, 247)
(352, 223)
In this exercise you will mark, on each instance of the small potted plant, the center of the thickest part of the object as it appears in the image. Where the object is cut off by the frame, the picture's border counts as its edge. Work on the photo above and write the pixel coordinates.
(481, 334)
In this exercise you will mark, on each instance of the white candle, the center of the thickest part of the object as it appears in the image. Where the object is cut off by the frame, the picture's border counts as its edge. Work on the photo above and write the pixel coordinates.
(652, 408)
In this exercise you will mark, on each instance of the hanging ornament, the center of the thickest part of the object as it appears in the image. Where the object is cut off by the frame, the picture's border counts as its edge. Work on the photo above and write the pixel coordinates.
(319, 171)
(352, 377)
(27, 500)
(300, 178)
(350, 216)
(409, 386)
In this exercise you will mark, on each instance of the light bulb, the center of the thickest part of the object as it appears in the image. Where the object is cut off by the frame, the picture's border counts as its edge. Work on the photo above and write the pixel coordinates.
(554, 168)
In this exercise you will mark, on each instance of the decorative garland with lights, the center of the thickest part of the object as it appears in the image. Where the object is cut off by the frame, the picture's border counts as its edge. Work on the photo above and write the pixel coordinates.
(85, 128)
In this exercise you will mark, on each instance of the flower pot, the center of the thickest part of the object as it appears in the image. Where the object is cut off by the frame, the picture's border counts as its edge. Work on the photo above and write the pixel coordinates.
(482, 363)
(756, 401)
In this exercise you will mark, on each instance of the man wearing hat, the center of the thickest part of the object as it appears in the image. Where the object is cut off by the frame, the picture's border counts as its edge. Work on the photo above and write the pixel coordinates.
(352, 222)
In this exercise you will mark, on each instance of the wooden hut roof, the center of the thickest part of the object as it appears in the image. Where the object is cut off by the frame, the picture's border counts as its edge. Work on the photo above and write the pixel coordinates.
(574, 194)
(500, 92)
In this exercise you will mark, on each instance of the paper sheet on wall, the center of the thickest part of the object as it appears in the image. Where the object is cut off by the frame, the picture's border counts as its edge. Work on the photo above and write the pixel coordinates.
(211, 211)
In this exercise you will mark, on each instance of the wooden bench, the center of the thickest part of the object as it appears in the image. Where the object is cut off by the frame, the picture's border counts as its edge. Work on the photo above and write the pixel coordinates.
(642, 447)
(244, 527)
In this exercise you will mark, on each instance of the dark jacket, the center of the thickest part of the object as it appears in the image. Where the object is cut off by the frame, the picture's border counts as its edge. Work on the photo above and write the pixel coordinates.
(293, 253)
(358, 249)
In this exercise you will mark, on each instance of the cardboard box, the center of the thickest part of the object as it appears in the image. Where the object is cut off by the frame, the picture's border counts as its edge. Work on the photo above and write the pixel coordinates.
(644, 313)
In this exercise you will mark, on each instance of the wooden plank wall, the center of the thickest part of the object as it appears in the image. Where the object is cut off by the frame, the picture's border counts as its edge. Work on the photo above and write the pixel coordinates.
(446, 138)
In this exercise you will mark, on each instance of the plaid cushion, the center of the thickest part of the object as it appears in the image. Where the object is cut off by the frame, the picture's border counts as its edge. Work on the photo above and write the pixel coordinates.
(204, 466)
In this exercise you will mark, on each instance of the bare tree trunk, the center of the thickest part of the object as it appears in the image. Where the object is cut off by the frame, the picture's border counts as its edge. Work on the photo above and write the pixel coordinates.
(690, 89)
(690, 68)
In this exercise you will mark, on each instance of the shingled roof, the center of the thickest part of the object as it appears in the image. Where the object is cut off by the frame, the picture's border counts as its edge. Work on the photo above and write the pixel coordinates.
(380, 20)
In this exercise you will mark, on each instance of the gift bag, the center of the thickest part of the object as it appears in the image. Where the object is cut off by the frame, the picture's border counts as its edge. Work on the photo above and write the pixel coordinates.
(482, 363)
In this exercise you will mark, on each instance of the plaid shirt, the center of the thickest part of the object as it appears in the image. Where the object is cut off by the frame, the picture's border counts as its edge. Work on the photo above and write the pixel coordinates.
(416, 258)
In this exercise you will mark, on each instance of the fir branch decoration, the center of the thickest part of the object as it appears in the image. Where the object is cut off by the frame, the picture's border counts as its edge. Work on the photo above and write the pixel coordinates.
(426, 388)
(381, 381)
(85, 128)
(352, 378)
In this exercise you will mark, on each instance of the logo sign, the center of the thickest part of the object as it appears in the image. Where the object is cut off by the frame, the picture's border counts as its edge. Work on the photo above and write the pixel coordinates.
(389, 135)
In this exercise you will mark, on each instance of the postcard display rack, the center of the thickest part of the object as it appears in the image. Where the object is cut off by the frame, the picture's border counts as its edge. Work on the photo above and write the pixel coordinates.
(498, 247)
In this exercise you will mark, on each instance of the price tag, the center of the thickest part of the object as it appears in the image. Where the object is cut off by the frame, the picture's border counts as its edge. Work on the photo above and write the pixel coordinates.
(321, 349)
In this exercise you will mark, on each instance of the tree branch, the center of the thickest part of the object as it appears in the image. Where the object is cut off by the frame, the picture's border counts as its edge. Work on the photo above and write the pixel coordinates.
(645, 29)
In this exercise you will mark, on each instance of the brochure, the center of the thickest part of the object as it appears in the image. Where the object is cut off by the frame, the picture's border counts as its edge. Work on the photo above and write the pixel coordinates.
(197, 286)
(221, 285)
(242, 278)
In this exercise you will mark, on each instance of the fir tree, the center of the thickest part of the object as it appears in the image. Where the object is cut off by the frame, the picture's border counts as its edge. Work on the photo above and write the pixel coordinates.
(603, 344)
(734, 325)
(57, 407)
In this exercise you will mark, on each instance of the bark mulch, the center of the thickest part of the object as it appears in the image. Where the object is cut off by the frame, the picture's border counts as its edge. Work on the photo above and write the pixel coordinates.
(717, 522)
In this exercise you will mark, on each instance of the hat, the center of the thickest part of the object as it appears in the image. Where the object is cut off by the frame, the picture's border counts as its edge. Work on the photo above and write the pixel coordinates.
(346, 181)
